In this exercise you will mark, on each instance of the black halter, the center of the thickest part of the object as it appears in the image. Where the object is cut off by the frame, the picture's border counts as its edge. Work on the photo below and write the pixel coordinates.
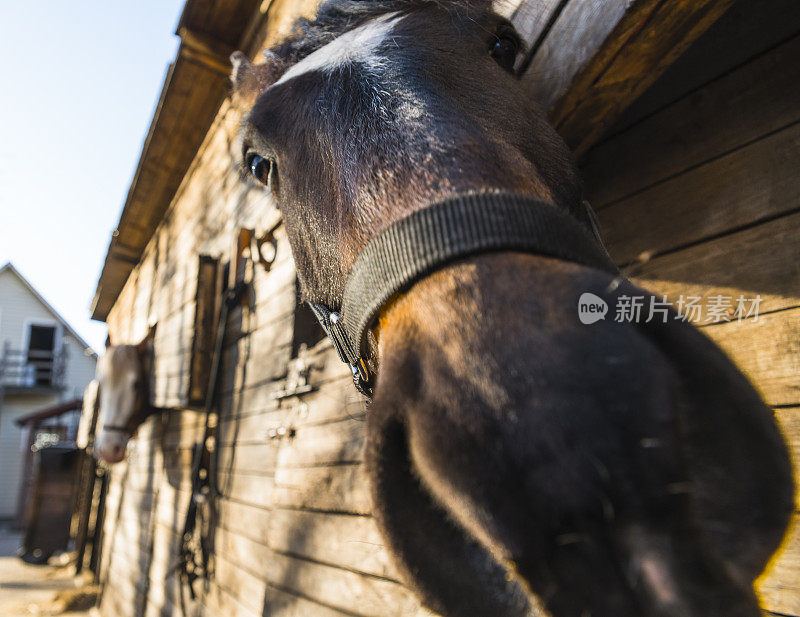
(429, 239)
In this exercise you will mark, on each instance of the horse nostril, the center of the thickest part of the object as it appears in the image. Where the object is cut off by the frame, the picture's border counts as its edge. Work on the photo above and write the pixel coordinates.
(114, 453)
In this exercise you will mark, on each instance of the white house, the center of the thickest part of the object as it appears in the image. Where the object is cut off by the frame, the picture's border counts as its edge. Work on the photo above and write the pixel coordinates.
(43, 362)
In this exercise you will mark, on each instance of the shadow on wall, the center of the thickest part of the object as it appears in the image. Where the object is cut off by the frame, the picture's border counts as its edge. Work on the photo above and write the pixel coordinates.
(133, 524)
(313, 494)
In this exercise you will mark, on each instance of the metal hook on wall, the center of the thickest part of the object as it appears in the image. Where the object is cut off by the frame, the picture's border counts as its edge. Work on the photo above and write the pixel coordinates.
(265, 255)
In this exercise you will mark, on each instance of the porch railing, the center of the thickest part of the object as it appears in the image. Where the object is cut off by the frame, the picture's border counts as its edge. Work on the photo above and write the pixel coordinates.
(31, 369)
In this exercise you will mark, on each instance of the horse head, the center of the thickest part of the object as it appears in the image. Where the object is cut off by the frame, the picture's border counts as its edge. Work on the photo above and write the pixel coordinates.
(516, 456)
(123, 376)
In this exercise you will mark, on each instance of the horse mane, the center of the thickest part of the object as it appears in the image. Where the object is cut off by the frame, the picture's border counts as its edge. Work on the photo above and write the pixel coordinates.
(335, 17)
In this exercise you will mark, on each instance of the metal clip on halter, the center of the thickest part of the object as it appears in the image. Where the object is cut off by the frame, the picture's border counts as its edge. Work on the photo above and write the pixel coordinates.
(338, 335)
(331, 322)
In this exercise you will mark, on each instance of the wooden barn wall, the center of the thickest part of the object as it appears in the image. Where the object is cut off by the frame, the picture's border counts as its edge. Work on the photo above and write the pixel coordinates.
(704, 177)
(294, 534)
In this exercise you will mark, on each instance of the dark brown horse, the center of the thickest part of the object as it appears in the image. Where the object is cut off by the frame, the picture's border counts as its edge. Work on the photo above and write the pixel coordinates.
(519, 460)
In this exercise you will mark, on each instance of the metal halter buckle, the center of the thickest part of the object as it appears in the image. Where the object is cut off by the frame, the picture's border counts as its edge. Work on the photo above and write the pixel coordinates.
(361, 377)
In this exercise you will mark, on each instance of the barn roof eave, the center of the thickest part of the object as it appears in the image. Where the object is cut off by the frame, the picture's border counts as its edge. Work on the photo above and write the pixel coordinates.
(195, 85)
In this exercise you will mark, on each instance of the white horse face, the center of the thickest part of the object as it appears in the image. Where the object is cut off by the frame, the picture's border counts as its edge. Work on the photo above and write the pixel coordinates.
(120, 377)
(119, 373)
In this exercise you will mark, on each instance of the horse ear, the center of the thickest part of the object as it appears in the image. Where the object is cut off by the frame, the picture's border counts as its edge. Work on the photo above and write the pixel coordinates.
(249, 79)
(147, 343)
(108, 341)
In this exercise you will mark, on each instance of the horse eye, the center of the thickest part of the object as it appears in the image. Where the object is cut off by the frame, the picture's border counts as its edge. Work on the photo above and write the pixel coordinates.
(504, 51)
(260, 168)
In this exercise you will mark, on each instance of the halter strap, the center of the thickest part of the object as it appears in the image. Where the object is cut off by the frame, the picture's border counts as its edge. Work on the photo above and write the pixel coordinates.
(433, 237)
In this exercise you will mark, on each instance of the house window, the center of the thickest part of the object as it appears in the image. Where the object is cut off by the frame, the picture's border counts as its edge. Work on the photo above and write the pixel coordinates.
(41, 353)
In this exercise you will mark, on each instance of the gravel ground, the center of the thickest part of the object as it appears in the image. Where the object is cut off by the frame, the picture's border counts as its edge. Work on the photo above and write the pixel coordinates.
(29, 591)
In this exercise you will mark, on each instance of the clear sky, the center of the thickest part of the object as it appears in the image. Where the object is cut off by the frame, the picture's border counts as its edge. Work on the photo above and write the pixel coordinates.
(80, 81)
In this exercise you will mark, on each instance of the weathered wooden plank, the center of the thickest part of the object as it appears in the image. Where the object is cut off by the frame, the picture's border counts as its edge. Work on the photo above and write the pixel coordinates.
(258, 358)
(136, 564)
(274, 292)
(758, 261)
(239, 401)
(218, 599)
(331, 367)
(745, 31)
(244, 441)
(334, 442)
(141, 481)
(767, 351)
(779, 587)
(279, 298)
(598, 57)
(170, 389)
(132, 488)
(283, 14)
(167, 366)
(329, 586)
(351, 542)
(244, 519)
(255, 593)
(152, 557)
(336, 488)
(531, 18)
(334, 400)
(173, 292)
(119, 598)
(243, 567)
(137, 545)
(133, 527)
(248, 589)
(126, 578)
(256, 490)
(250, 488)
(754, 183)
(146, 579)
(323, 580)
(649, 37)
(250, 428)
(130, 560)
(574, 39)
(789, 421)
(270, 364)
(278, 306)
(747, 104)
(257, 363)
(307, 533)
(252, 459)
(247, 513)
(183, 428)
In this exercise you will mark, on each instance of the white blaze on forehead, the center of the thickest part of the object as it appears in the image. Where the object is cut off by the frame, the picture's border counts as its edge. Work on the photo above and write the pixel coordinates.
(358, 45)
